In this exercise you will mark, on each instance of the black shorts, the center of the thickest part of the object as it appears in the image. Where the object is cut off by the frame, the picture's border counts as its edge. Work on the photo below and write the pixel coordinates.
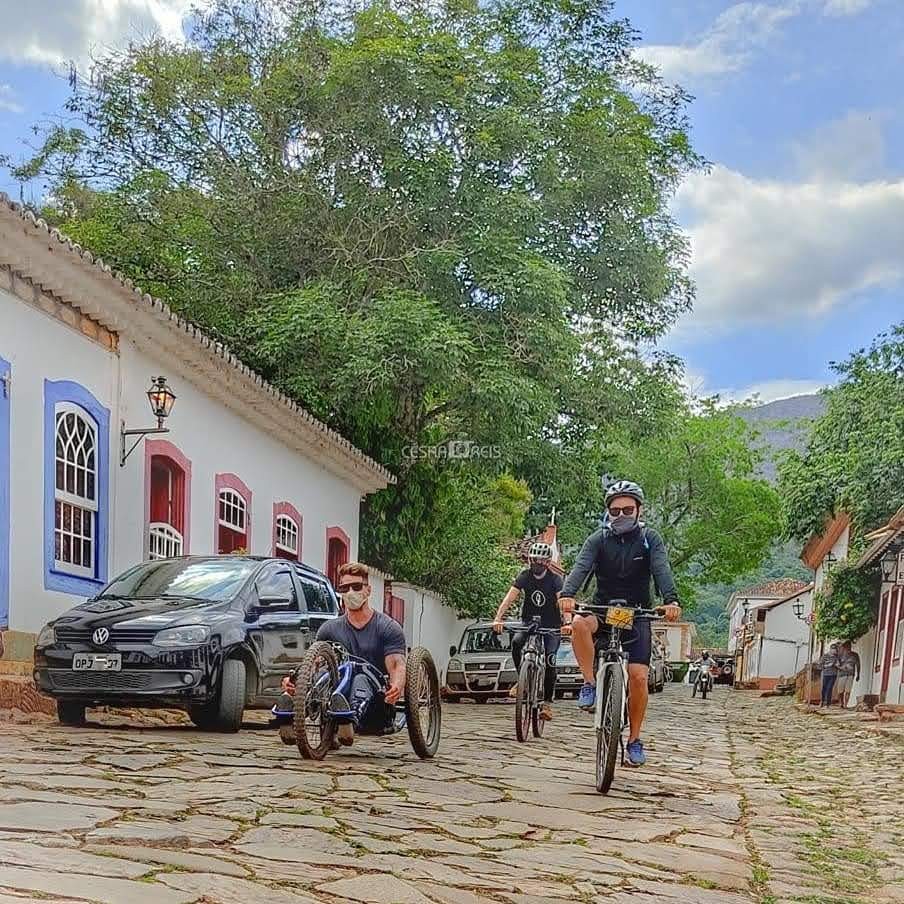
(637, 641)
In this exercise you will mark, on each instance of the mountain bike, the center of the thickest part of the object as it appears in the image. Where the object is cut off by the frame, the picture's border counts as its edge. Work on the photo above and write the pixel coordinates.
(529, 694)
(610, 716)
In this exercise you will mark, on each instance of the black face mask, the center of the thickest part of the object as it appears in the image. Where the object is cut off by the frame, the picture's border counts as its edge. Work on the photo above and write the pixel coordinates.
(538, 570)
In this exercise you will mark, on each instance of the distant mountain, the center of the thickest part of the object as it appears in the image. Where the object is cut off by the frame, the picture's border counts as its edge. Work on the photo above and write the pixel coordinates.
(783, 425)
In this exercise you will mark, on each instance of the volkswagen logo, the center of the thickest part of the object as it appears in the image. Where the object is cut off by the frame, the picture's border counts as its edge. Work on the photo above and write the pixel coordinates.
(100, 636)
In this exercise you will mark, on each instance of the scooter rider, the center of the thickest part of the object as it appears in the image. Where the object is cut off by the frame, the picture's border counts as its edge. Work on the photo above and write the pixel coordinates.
(623, 555)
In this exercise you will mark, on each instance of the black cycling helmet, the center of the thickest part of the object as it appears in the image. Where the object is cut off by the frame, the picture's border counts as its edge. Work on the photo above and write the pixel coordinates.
(624, 488)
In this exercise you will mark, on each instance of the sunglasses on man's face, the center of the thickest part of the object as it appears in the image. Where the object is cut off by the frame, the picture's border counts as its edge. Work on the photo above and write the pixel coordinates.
(355, 587)
(615, 510)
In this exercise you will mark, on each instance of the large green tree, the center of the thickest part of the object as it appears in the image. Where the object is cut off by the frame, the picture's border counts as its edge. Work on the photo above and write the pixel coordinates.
(854, 458)
(717, 517)
(423, 220)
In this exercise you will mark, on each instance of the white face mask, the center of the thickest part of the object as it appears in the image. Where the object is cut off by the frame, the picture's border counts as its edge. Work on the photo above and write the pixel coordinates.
(354, 599)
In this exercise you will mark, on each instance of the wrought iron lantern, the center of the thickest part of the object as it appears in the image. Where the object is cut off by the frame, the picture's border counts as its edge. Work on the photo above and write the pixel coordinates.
(161, 399)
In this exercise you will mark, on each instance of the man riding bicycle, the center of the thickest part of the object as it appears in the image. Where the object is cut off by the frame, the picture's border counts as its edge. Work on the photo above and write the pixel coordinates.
(623, 555)
(541, 588)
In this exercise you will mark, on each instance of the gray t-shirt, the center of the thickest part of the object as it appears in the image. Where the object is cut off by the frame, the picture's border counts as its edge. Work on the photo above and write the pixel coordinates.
(382, 636)
(848, 663)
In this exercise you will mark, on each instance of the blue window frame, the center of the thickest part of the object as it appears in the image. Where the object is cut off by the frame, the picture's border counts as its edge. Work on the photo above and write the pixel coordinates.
(76, 489)
(5, 479)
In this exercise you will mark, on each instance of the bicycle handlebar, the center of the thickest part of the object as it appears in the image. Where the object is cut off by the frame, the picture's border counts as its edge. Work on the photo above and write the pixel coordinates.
(639, 611)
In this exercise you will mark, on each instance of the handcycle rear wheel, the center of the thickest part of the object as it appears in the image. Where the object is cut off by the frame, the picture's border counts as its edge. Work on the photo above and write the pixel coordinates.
(422, 700)
(317, 679)
(608, 734)
(524, 705)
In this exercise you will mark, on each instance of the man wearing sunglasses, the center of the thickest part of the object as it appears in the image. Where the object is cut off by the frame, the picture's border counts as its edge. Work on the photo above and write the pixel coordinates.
(623, 555)
(370, 635)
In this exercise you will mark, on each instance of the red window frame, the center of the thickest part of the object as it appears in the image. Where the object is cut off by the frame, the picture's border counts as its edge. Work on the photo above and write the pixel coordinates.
(179, 516)
(289, 510)
(225, 536)
(338, 550)
(396, 608)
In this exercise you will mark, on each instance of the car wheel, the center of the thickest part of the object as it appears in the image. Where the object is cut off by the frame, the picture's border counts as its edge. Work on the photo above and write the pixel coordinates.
(480, 699)
(70, 712)
(225, 713)
(453, 698)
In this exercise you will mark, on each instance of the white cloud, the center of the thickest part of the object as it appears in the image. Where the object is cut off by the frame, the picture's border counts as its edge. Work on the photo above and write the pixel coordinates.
(851, 148)
(772, 390)
(766, 251)
(8, 100)
(845, 7)
(725, 47)
(54, 32)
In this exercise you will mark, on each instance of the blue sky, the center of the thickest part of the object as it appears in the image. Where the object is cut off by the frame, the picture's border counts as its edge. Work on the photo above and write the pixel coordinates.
(797, 229)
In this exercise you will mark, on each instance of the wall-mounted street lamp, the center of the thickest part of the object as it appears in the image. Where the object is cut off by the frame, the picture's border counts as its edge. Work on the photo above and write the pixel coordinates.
(799, 608)
(161, 399)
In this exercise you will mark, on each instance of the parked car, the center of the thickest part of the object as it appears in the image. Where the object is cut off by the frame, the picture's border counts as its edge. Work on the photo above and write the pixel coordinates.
(481, 666)
(211, 635)
(656, 675)
(568, 674)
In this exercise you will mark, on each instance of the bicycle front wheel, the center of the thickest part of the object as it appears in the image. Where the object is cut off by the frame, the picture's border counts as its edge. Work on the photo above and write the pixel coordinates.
(523, 701)
(608, 734)
(536, 722)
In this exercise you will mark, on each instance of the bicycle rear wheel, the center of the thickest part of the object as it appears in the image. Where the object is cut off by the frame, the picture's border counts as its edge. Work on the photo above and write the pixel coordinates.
(523, 702)
(536, 722)
(609, 732)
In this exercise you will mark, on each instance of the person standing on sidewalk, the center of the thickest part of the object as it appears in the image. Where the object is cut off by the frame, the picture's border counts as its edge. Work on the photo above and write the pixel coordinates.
(828, 665)
(848, 673)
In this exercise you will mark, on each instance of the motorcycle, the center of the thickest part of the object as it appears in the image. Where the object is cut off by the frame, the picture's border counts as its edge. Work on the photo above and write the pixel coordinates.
(703, 680)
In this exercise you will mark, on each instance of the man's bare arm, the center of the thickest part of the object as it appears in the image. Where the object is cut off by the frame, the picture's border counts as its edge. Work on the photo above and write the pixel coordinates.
(395, 668)
(507, 602)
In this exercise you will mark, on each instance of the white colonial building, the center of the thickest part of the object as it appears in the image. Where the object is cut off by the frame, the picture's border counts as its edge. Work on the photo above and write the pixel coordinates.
(242, 466)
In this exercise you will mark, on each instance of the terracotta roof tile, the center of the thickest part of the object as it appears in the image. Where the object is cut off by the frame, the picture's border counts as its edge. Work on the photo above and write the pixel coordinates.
(773, 589)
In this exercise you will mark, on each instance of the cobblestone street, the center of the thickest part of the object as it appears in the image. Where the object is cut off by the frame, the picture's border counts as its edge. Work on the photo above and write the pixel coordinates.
(740, 803)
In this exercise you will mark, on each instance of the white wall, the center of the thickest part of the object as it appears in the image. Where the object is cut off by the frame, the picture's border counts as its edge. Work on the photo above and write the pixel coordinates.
(784, 644)
(429, 622)
(677, 640)
(216, 440)
(41, 348)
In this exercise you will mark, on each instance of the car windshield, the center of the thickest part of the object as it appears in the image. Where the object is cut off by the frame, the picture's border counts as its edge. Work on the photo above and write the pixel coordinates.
(209, 580)
(485, 640)
(565, 653)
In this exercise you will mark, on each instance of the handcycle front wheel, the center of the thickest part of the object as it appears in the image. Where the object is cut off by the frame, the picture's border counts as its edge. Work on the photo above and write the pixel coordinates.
(524, 704)
(422, 703)
(608, 734)
(317, 679)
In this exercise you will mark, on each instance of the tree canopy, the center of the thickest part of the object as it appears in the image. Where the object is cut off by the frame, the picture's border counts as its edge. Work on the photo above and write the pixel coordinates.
(427, 222)
(854, 458)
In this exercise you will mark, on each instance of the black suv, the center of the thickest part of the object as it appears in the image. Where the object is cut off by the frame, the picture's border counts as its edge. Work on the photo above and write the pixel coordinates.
(211, 635)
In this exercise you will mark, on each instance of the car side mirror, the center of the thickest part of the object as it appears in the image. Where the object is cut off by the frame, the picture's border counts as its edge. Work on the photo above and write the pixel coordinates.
(273, 602)
(453, 650)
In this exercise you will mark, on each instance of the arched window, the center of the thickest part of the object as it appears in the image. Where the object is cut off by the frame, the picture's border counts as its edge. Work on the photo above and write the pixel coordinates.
(233, 515)
(168, 500)
(286, 531)
(337, 552)
(76, 477)
(75, 491)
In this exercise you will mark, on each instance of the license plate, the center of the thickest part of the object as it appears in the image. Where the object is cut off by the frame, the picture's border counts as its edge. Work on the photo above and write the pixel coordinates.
(97, 662)
(620, 618)
(485, 682)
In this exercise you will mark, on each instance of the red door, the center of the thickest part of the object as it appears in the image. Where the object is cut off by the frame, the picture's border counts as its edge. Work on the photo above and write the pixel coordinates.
(891, 624)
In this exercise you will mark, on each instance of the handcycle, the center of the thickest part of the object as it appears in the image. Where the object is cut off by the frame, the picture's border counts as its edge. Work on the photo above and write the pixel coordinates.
(610, 714)
(327, 670)
(529, 690)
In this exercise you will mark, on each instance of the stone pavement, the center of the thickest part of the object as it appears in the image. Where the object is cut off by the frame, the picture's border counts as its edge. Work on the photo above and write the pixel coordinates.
(727, 812)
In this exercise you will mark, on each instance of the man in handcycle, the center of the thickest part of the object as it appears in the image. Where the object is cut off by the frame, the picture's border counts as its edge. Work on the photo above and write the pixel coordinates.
(623, 555)
(540, 587)
(369, 635)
